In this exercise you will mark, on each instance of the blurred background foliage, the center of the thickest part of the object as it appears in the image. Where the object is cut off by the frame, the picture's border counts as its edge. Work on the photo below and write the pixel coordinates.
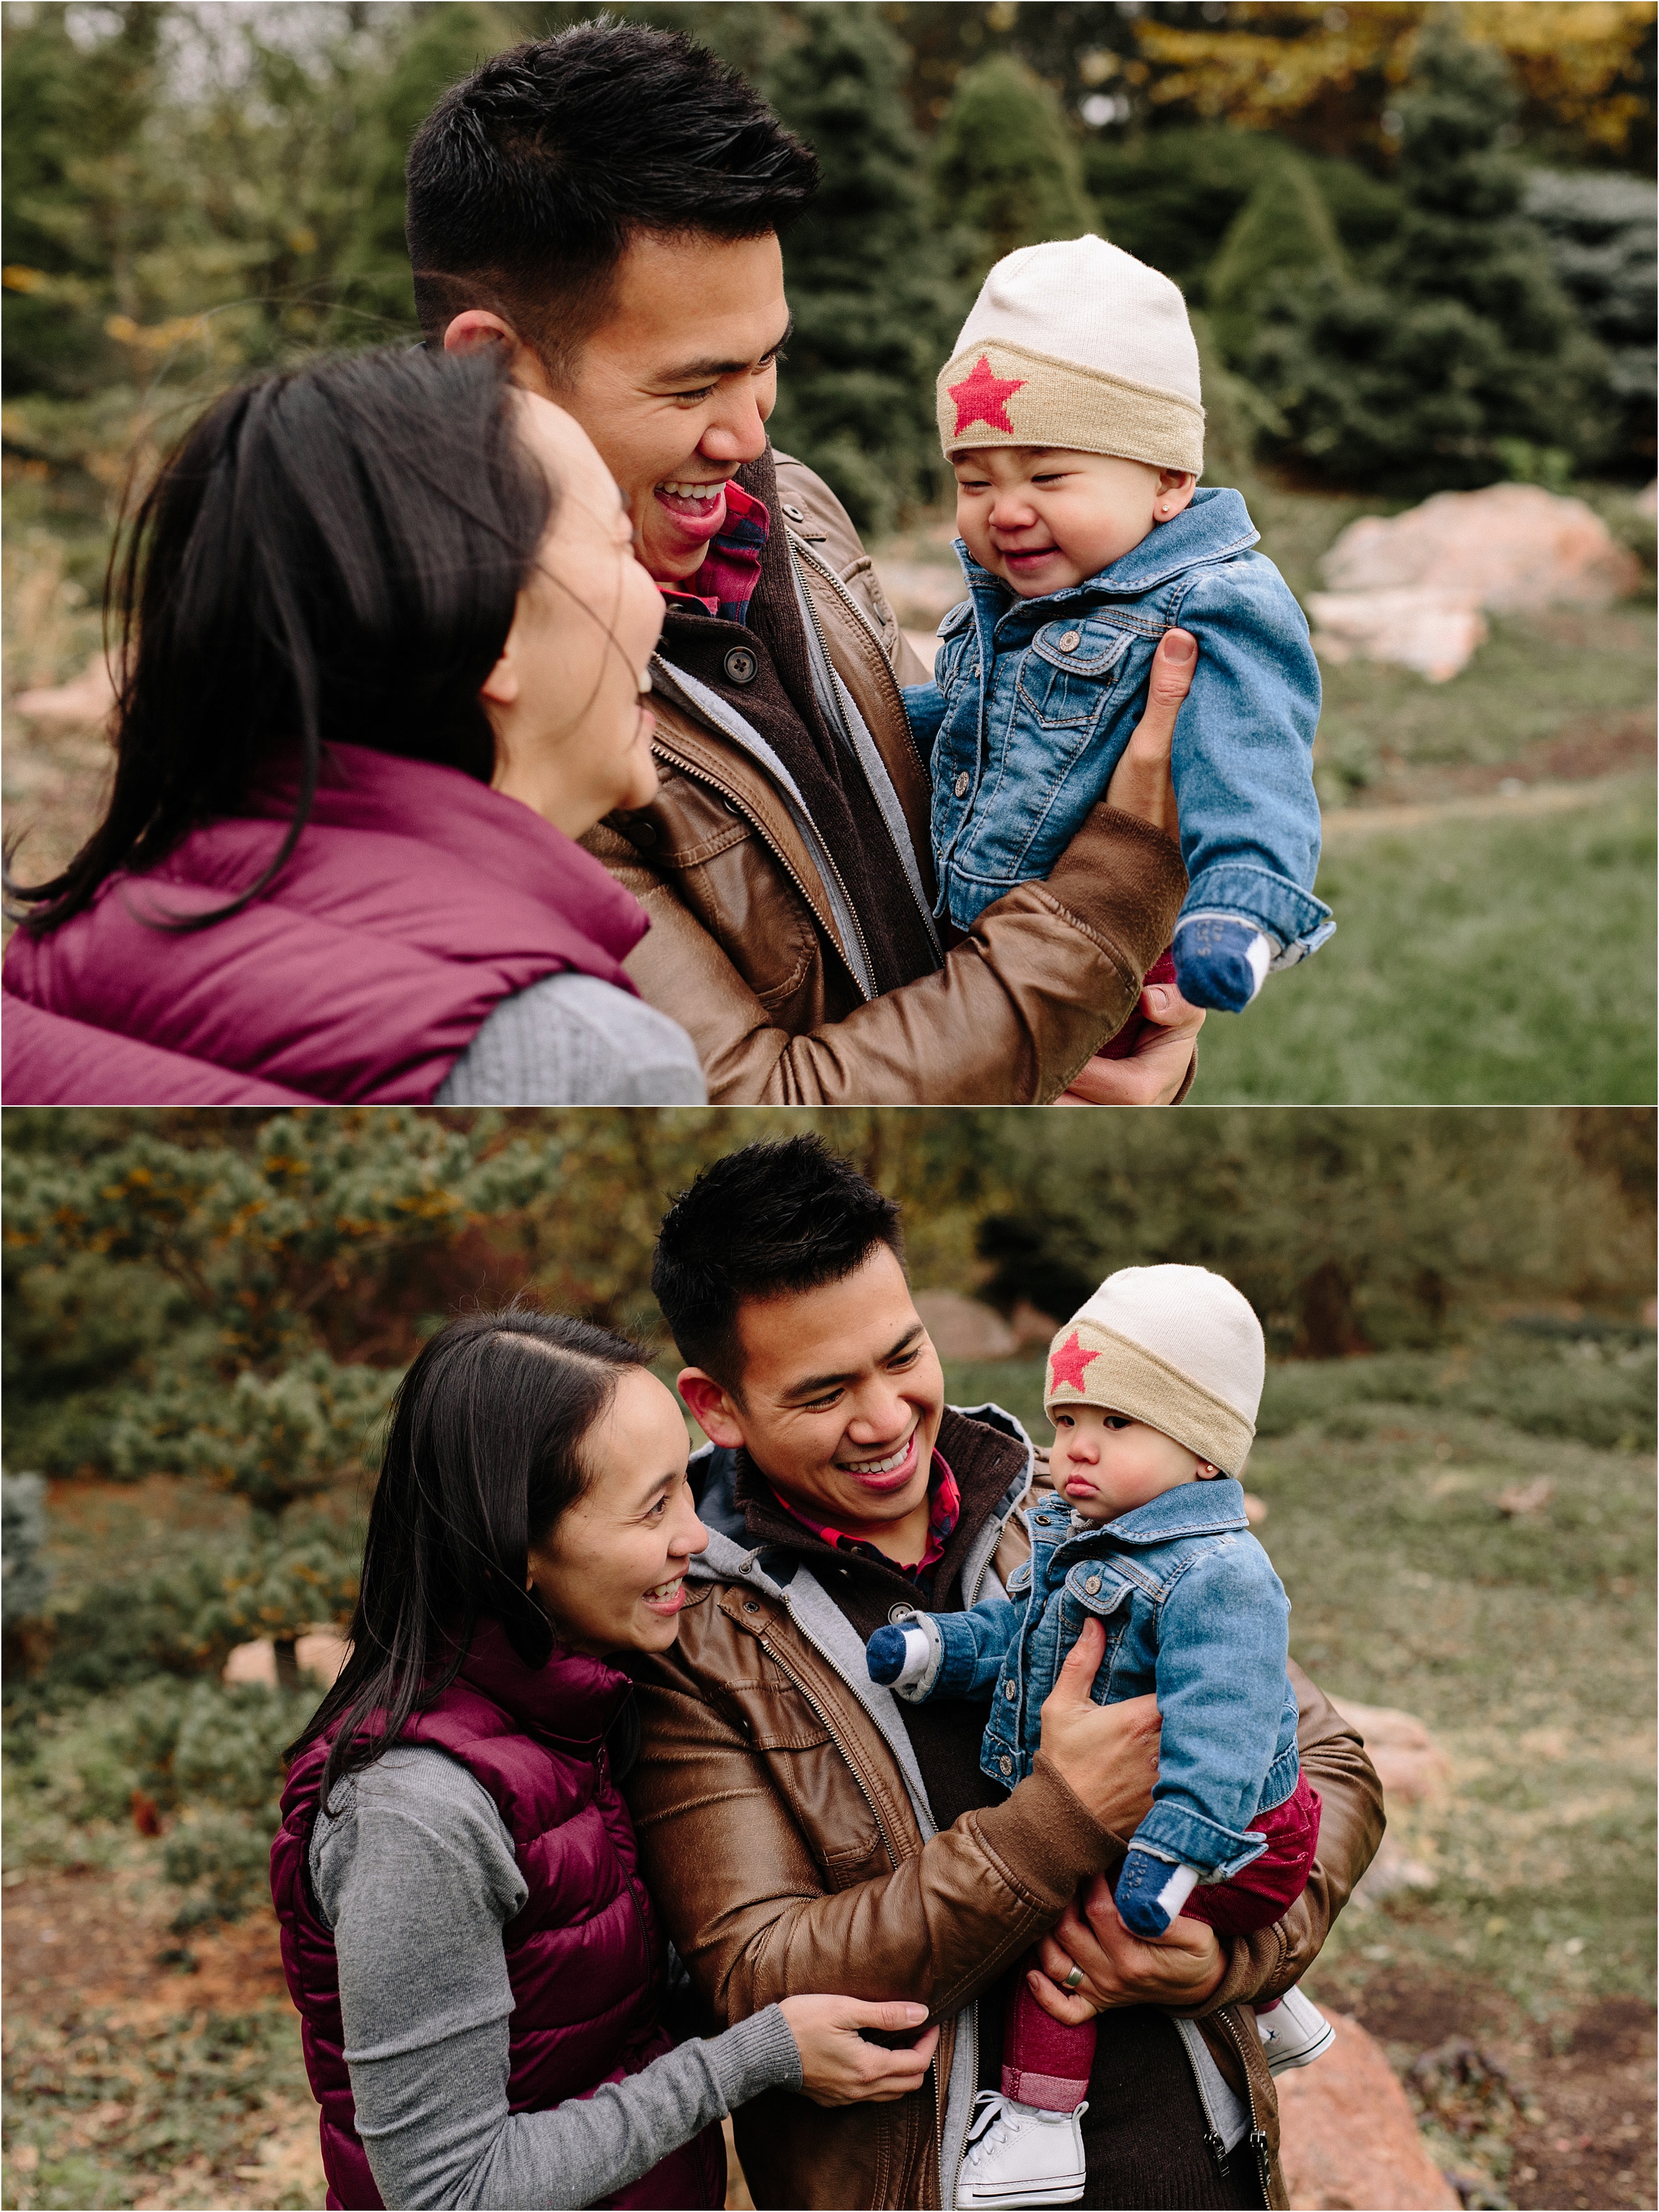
(1423, 234)
(207, 1313)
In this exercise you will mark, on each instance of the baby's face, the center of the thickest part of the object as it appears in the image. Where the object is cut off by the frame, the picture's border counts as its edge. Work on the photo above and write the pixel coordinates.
(1043, 520)
(1104, 1464)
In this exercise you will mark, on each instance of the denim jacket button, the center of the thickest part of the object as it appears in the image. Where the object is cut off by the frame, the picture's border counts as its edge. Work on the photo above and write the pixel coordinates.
(1010, 1692)
(1092, 1585)
(1070, 642)
(1005, 1764)
(960, 786)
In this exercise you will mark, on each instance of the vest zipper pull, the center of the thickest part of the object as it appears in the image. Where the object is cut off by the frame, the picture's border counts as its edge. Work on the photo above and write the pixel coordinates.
(1217, 2151)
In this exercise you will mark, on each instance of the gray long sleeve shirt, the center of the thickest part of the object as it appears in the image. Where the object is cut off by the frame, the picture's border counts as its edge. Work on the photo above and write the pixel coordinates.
(417, 1878)
(573, 1041)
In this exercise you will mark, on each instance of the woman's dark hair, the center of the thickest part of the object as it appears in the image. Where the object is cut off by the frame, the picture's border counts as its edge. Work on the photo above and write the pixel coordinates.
(484, 1454)
(530, 179)
(332, 554)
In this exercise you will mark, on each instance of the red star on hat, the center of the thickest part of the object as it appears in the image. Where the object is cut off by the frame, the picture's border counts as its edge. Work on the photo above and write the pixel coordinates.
(1066, 1365)
(982, 398)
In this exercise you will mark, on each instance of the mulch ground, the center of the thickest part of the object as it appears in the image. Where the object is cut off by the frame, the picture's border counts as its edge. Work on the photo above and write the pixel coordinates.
(1593, 2082)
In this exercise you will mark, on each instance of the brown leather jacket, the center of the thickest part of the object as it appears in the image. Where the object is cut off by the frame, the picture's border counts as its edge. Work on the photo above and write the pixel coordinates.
(789, 1852)
(744, 950)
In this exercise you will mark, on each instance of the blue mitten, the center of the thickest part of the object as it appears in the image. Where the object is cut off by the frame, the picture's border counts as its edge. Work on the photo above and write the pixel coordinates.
(1149, 1892)
(1219, 961)
(885, 1654)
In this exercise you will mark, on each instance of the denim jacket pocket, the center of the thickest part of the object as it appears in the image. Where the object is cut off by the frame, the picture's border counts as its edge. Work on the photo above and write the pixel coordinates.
(1069, 671)
(1097, 1590)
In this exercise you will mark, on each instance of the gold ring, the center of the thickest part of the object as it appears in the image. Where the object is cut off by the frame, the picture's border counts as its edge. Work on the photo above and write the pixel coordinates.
(1074, 1980)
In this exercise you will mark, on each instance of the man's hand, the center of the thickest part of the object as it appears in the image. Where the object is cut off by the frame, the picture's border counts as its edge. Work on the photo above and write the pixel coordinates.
(1141, 783)
(1179, 1969)
(838, 2067)
(1156, 1069)
(1107, 1755)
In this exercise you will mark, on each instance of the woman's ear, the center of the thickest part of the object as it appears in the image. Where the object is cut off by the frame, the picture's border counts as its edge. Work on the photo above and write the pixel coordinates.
(500, 686)
(711, 1407)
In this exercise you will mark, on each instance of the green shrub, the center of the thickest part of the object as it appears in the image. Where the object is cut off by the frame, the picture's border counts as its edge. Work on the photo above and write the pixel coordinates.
(1458, 339)
(1284, 231)
(1006, 165)
(1600, 232)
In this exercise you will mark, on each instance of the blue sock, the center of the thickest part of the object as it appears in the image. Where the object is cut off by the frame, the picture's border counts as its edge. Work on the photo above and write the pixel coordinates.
(1219, 961)
(885, 1654)
(1149, 1892)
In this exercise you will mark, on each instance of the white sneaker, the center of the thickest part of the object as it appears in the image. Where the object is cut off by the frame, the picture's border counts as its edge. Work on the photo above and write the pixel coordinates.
(1018, 2154)
(1294, 2033)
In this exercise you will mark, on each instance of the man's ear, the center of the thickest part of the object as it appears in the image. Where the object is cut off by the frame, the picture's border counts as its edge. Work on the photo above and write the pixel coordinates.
(712, 1408)
(475, 328)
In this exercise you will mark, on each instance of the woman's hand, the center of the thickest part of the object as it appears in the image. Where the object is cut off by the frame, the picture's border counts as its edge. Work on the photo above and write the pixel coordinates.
(1107, 1755)
(839, 2066)
(1178, 1970)
(1141, 782)
(1155, 1071)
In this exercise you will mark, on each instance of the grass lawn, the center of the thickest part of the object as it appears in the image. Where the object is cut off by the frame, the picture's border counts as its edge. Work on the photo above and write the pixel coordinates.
(1507, 958)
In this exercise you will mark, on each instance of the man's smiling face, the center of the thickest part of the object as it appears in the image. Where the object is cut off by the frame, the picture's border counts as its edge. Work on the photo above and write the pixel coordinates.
(841, 1395)
(675, 385)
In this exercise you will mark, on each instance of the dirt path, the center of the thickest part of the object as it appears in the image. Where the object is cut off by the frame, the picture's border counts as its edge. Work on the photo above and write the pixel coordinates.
(1343, 824)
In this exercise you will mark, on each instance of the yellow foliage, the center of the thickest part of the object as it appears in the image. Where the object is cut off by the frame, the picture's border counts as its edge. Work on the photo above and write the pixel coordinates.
(1273, 61)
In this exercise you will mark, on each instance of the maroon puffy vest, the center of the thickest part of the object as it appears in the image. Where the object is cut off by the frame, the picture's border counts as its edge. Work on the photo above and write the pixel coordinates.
(584, 1955)
(416, 901)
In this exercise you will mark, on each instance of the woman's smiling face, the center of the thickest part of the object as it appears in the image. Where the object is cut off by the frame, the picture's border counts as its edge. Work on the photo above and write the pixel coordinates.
(611, 1570)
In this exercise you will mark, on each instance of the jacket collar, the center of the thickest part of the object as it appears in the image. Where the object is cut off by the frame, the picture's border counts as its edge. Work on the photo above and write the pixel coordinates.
(1192, 1508)
(572, 1698)
(1217, 524)
(500, 839)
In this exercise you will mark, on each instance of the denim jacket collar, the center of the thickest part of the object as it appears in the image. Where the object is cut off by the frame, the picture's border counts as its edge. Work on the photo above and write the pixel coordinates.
(1216, 525)
(1191, 1508)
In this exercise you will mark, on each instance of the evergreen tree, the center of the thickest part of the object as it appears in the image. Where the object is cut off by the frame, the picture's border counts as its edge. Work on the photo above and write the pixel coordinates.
(1284, 229)
(1006, 165)
(1599, 231)
(1462, 341)
(874, 307)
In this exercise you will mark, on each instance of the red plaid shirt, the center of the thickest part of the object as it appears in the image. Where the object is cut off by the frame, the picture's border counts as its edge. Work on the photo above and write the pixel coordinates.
(944, 1512)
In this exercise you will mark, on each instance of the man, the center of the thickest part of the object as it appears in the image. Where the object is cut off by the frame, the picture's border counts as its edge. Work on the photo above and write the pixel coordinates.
(606, 205)
(802, 1829)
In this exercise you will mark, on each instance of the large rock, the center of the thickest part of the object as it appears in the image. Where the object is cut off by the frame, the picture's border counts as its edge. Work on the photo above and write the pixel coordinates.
(1349, 2140)
(1511, 549)
(1411, 587)
(1410, 1763)
(962, 1328)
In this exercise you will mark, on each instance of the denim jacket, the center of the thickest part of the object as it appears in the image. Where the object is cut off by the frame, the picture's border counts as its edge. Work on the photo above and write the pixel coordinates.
(1033, 701)
(1193, 1612)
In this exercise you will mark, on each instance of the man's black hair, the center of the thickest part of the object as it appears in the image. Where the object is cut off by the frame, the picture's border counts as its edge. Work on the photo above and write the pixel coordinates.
(530, 179)
(760, 1223)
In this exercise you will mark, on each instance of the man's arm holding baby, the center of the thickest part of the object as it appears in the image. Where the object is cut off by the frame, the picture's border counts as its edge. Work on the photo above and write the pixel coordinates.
(758, 1845)
(1188, 1970)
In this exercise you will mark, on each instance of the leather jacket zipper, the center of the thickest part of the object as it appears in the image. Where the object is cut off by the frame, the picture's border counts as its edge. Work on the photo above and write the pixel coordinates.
(1257, 2137)
(699, 774)
(859, 616)
(828, 1725)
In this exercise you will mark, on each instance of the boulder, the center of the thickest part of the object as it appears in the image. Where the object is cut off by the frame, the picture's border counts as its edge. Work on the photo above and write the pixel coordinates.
(962, 1328)
(1426, 630)
(1410, 1763)
(1512, 548)
(322, 1653)
(1411, 587)
(1348, 2140)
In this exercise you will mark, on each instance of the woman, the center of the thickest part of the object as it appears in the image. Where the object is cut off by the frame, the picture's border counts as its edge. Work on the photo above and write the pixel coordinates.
(478, 1969)
(384, 645)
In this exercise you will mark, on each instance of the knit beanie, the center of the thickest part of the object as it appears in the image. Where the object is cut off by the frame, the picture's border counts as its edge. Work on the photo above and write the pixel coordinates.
(1076, 344)
(1176, 1347)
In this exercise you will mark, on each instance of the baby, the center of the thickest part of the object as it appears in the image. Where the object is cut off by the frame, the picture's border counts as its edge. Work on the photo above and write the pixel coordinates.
(1070, 410)
(1152, 1388)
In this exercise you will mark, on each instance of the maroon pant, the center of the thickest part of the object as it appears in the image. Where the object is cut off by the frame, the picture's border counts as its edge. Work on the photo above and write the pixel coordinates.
(1047, 2064)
